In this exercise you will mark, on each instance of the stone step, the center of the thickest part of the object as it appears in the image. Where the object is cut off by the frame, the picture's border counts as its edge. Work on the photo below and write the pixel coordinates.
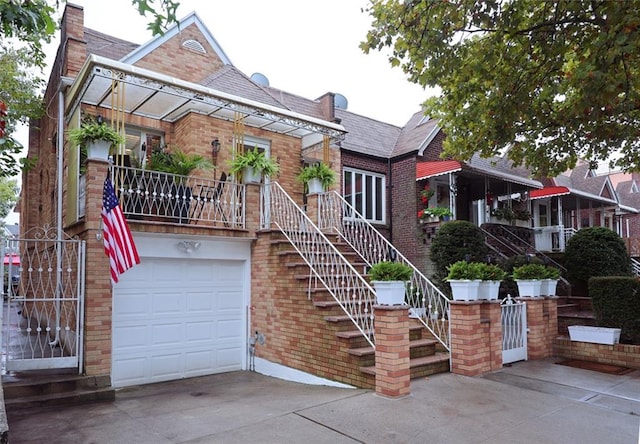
(365, 351)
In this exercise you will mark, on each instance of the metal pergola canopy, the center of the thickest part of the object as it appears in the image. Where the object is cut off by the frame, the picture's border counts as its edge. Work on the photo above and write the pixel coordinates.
(157, 96)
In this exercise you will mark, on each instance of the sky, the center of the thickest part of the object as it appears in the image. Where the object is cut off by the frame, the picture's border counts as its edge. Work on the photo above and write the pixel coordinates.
(303, 47)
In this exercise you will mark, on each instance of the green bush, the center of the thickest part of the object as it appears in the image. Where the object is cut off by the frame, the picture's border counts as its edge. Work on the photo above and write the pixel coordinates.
(616, 303)
(491, 272)
(596, 251)
(530, 271)
(464, 270)
(453, 242)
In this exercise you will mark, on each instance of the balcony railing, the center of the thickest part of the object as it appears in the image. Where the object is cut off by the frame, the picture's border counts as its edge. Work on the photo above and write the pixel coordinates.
(163, 197)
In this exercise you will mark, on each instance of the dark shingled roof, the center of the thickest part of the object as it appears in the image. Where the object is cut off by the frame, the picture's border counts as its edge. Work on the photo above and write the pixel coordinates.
(413, 134)
(107, 46)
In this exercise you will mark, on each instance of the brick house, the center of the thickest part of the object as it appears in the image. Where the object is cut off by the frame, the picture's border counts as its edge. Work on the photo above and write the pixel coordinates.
(226, 280)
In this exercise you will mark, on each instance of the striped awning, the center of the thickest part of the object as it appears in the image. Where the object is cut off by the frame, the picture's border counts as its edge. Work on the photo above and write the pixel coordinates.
(549, 192)
(427, 169)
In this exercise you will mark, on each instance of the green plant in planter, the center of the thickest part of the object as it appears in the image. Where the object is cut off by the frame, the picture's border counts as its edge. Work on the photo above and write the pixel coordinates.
(91, 131)
(530, 272)
(552, 273)
(176, 161)
(463, 270)
(390, 271)
(255, 159)
(438, 212)
(320, 171)
(491, 272)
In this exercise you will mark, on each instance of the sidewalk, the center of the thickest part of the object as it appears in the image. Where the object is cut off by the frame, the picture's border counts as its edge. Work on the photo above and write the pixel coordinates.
(529, 402)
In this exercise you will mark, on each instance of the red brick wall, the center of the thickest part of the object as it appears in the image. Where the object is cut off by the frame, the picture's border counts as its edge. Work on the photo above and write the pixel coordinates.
(624, 355)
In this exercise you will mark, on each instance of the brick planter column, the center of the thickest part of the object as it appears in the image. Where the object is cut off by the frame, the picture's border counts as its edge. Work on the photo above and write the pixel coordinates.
(541, 313)
(393, 376)
(312, 207)
(252, 207)
(476, 337)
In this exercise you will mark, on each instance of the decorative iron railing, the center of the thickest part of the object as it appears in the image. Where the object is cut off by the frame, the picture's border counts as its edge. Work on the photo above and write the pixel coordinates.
(164, 197)
(426, 301)
(327, 264)
(635, 267)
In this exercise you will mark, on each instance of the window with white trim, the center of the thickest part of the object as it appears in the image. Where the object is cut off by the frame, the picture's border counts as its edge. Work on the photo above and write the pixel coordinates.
(365, 191)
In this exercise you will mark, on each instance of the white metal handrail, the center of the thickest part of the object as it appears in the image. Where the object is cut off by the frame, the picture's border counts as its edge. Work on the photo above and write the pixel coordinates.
(328, 265)
(154, 195)
(635, 267)
(427, 302)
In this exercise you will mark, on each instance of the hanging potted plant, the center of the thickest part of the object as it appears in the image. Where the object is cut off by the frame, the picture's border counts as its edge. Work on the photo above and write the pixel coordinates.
(390, 281)
(96, 137)
(529, 279)
(491, 275)
(253, 164)
(464, 279)
(317, 178)
(550, 282)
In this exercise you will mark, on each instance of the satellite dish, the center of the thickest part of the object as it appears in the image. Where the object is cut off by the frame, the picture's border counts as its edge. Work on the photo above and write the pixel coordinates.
(341, 101)
(260, 79)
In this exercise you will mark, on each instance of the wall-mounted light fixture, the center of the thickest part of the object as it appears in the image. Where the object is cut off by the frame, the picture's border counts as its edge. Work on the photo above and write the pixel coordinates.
(215, 149)
(188, 246)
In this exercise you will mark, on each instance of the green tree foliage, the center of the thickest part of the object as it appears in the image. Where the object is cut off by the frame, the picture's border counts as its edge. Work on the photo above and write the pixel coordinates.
(25, 27)
(8, 197)
(457, 241)
(596, 251)
(551, 81)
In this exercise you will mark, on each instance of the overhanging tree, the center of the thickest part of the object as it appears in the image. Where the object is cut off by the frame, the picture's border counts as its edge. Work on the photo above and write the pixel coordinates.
(548, 82)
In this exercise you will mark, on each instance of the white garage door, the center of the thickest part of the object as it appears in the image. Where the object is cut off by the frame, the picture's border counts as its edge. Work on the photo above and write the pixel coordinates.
(177, 318)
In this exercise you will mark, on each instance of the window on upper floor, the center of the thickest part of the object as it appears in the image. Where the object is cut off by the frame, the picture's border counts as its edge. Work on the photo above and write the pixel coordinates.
(139, 142)
(364, 191)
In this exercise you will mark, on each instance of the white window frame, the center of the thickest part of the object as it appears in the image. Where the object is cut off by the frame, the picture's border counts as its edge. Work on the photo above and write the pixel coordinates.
(352, 202)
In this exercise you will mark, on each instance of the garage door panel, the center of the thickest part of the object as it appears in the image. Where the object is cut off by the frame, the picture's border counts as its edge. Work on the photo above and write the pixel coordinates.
(177, 319)
(200, 331)
(200, 301)
(167, 334)
(167, 303)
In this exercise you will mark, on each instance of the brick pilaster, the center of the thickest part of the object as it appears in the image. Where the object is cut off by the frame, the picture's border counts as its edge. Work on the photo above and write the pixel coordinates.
(393, 375)
(252, 207)
(541, 313)
(312, 207)
(476, 337)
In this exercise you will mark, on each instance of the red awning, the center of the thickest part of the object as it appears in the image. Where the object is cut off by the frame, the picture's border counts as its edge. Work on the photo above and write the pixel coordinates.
(13, 259)
(425, 170)
(549, 192)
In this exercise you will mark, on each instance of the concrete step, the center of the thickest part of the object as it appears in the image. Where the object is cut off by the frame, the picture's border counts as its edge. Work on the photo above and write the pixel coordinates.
(37, 391)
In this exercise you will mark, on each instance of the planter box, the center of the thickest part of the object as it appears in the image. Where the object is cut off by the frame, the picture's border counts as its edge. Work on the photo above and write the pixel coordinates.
(98, 149)
(529, 288)
(464, 289)
(596, 335)
(390, 292)
(488, 290)
(250, 175)
(315, 186)
(548, 287)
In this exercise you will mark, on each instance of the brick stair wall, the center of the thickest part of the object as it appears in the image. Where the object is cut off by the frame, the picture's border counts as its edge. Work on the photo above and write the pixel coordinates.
(314, 334)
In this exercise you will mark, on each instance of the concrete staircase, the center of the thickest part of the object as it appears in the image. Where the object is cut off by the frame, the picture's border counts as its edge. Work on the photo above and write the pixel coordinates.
(574, 310)
(427, 355)
(47, 388)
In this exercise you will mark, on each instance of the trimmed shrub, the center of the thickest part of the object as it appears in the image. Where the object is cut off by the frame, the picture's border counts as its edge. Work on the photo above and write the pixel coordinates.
(616, 303)
(455, 241)
(596, 251)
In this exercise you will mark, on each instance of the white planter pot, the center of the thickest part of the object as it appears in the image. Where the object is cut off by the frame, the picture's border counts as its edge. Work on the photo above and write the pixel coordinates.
(464, 289)
(315, 186)
(250, 175)
(596, 335)
(529, 288)
(390, 292)
(488, 290)
(98, 149)
(548, 287)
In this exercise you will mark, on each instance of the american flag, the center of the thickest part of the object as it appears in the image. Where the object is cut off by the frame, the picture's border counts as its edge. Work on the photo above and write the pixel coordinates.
(118, 242)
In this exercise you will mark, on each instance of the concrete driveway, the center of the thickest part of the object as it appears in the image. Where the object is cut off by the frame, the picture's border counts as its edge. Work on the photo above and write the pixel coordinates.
(529, 402)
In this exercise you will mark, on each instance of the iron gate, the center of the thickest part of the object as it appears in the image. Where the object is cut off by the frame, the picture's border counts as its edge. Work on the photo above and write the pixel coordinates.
(514, 330)
(43, 292)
